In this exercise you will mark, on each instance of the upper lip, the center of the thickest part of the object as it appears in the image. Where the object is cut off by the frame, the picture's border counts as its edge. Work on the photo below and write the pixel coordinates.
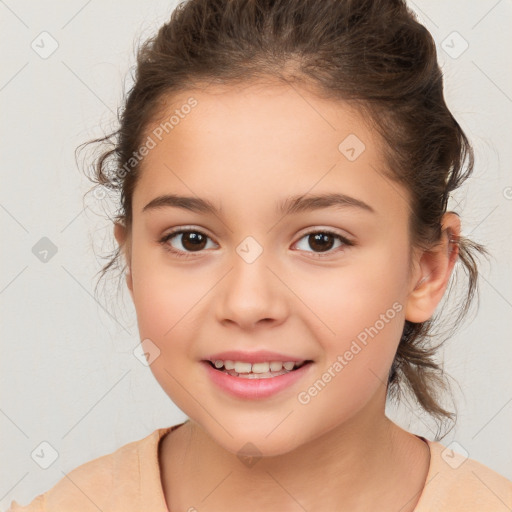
(261, 356)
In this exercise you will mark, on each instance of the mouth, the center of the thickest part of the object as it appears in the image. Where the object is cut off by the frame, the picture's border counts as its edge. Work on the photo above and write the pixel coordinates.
(257, 370)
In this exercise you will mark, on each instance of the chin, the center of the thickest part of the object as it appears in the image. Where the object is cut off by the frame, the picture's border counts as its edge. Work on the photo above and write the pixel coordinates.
(254, 439)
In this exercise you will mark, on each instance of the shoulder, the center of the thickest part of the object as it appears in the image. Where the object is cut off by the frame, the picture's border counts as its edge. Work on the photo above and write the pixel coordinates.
(455, 482)
(122, 480)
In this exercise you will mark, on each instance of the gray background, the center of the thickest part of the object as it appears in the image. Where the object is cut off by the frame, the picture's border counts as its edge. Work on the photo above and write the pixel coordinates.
(68, 373)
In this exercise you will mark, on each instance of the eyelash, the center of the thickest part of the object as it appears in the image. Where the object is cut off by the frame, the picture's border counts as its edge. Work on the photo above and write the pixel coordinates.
(181, 254)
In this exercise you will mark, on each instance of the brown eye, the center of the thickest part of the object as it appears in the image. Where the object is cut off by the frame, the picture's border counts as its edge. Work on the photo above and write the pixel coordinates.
(185, 242)
(192, 240)
(323, 242)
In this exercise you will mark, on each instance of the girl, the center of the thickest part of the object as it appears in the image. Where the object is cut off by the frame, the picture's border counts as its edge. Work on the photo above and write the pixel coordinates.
(284, 169)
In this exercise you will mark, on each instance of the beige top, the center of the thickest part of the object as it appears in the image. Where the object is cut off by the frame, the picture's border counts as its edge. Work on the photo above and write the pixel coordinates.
(128, 480)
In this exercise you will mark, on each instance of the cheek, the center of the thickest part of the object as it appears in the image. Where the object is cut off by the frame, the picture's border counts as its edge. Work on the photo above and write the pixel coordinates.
(362, 309)
(169, 313)
(168, 305)
(162, 295)
(355, 360)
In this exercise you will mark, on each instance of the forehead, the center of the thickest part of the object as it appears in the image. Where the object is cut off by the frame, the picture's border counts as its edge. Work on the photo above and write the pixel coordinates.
(258, 116)
(238, 144)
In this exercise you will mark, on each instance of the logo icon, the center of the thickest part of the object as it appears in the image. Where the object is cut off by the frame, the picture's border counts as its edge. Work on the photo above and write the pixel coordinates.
(249, 249)
(146, 352)
(454, 45)
(44, 45)
(44, 250)
(44, 455)
(351, 147)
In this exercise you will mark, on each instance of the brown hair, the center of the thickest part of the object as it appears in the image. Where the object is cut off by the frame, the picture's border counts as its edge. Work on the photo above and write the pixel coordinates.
(373, 53)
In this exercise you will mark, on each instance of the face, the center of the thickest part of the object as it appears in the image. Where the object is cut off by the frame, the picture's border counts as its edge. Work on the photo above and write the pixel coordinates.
(326, 282)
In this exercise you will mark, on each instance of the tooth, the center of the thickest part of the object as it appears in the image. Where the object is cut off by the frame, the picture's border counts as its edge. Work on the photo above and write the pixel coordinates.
(242, 367)
(253, 376)
(276, 366)
(267, 375)
(260, 367)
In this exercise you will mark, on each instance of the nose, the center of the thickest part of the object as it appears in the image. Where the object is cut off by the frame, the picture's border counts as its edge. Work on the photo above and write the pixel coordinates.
(252, 294)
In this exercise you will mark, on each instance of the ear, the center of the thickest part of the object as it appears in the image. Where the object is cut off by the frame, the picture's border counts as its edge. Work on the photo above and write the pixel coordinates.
(122, 238)
(433, 272)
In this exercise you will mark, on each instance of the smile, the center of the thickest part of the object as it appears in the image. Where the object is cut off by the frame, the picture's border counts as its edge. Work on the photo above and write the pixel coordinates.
(261, 370)
(255, 380)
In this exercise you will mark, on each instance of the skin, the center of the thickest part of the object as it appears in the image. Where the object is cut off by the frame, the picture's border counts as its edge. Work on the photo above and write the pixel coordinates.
(245, 149)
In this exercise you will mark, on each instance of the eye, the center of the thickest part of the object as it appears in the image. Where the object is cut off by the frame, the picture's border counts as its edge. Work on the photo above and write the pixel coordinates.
(191, 240)
(324, 240)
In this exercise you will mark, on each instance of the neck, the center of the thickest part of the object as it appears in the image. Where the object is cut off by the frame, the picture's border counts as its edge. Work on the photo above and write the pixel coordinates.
(360, 464)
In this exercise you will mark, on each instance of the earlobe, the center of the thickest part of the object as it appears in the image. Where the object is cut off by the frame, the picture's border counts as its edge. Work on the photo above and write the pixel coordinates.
(129, 281)
(122, 239)
(120, 233)
(434, 270)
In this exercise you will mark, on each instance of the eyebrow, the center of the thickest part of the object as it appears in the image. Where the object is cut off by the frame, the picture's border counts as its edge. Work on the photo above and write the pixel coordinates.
(291, 205)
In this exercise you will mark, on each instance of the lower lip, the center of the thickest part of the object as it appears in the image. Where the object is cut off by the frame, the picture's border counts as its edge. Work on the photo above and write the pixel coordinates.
(254, 388)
